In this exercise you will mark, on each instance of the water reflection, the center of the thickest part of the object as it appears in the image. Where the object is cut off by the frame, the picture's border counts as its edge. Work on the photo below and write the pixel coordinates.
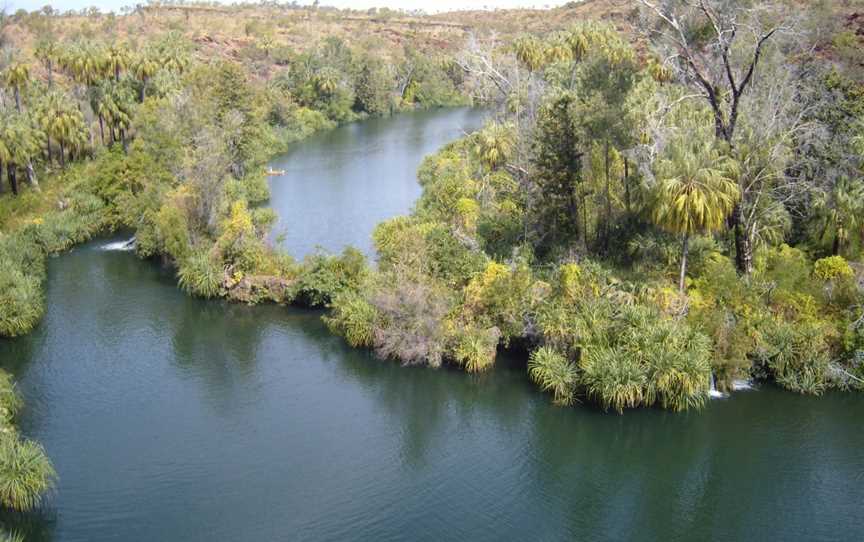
(173, 418)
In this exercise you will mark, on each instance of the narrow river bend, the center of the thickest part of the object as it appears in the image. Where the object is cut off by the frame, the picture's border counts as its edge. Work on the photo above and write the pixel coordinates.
(171, 418)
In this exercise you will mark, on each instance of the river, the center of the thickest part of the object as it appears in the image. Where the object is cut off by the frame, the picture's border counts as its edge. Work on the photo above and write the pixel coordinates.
(172, 418)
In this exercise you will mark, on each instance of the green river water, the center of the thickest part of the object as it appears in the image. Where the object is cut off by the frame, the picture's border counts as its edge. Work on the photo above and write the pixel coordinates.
(172, 418)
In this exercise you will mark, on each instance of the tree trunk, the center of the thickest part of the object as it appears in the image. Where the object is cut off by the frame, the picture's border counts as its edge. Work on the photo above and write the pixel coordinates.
(13, 182)
(608, 223)
(102, 129)
(31, 176)
(62, 154)
(627, 184)
(50, 74)
(17, 99)
(743, 243)
(685, 249)
(123, 140)
(835, 248)
(2, 190)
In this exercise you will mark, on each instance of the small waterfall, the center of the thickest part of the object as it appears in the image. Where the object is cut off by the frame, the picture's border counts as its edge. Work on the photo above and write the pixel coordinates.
(714, 393)
(128, 244)
(742, 385)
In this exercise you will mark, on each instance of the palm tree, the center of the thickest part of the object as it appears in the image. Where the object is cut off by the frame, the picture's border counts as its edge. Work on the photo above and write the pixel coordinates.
(494, 144)
(695, 193)
(5, 155)
(20, 143)
(85, 63)
(558, 49)
(117, 59)
(841, 211)
(48, 53)
(144, 67)
(17, 76)
(63, 122)
(172, 53)
(529, 52)
(116, 105)
(326, 82)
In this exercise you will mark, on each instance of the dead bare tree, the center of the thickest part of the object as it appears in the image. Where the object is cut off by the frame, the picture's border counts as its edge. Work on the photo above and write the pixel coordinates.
(715, 47)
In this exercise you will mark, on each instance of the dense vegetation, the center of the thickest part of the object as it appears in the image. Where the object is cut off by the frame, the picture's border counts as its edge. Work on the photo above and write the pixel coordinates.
(731, 169)
(155, 135)
(644, 216)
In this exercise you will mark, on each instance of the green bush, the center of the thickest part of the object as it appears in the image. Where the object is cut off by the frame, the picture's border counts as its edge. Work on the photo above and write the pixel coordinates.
(475, 348)
(553, 373)
(796, 356)
(323, 277)
(26, 473)
(613, 378)
(353, 318)
(201, 275)
(21, 300)
(832, 268)
(10, 400)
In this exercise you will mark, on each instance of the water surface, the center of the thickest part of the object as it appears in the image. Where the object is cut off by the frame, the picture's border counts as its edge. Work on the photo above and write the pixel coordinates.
(338, 185)
(171, 418)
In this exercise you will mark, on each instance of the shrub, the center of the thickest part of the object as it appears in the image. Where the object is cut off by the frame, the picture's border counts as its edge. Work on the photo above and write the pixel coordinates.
(613, 378)
(255, 188)
(501, 296)
(831, 268)
(21, 300)
(202, 275)
(412, 313)
(796, 356)
(10, 401)
(553, 373)
(353, 318)
(239, 242)
(475, 348)
(322, 277)
(26, 473)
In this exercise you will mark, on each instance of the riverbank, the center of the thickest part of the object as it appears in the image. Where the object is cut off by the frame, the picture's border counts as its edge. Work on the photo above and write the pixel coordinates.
(201, 401)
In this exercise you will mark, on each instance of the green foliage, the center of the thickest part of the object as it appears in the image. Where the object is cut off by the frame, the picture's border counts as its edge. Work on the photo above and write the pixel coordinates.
(553, 373)
(26, 473)
(200, 274)
(475, 348)
(558, 150)
(22, 301)
(795, 356)
(353, 317)
(10, 400)
(500, 296)
(612, 379)
(323, 277)
(832, 268)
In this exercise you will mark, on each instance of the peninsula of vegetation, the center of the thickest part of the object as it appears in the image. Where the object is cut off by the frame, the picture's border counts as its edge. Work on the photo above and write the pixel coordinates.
(668, 197)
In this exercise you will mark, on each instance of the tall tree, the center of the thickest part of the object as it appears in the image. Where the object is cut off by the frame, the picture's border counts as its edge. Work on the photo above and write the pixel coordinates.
(16, 76)
(715, 47)
(557, 164)
(840, 212)
(695, 193)
(19, 144)
(48, 52)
